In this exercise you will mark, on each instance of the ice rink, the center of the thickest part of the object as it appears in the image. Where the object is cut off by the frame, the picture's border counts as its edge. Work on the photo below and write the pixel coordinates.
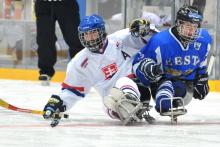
(88, 126)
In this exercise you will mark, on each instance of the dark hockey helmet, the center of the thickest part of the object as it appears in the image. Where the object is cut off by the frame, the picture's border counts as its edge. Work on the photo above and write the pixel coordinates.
(92, 33)
(188, 20)
(139, 27)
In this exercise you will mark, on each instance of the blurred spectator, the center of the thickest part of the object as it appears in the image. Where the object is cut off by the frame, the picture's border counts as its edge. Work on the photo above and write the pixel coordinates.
(107, 8)
(66, 13)
(11, 41)
(158, 3)
(200, 5)
(162, 20)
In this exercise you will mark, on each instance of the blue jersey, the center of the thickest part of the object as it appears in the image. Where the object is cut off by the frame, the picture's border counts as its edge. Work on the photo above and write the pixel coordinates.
(176, 61)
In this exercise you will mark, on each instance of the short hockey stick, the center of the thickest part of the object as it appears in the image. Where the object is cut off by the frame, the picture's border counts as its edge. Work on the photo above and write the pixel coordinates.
(210, 65)
(14, 108)
(6, 105)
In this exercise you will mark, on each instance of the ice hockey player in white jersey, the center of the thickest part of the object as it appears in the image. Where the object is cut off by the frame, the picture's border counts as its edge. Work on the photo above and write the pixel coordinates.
(174, 62)
(105, 64)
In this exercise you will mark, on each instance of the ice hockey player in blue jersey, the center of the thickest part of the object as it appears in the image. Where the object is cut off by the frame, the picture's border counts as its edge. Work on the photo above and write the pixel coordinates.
(174, 62)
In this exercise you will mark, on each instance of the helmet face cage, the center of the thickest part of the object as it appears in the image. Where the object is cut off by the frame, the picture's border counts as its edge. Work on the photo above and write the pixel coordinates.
(92, 32)
(187, 31)
(93, 44)
(187, 22)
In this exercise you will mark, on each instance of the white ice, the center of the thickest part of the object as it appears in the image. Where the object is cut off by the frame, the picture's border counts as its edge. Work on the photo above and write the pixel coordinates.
(89, 126)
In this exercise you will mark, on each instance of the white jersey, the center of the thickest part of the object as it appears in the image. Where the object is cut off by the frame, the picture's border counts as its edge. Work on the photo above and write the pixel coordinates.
(101, 71)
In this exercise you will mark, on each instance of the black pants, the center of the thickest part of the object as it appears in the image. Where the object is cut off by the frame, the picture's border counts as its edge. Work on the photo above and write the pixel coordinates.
(66, 13)
(144, 90)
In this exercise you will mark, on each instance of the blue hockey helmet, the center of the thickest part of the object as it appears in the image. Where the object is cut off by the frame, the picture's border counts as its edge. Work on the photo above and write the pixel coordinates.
(92, 32)
(192, 17)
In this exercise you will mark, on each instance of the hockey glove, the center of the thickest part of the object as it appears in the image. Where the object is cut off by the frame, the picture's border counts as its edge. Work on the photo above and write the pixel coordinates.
(201, 87)
(54, 104)
(151, 70)
(139, 27)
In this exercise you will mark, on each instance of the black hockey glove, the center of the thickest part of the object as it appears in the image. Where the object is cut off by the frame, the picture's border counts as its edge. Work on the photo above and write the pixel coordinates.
(201, 87)
(139, 27)
(151, 70)
(54, 104)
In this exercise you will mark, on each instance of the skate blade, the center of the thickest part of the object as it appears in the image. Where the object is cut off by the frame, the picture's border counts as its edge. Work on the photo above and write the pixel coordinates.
(177, 112)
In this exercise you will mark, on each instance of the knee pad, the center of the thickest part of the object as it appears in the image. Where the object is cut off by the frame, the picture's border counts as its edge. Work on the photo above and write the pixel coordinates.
(126, 85)
(179, 88)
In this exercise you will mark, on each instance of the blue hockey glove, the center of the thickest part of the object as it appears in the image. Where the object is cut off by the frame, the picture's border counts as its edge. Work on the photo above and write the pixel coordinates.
(54, 104)
(150, 69)
(201, 87)
(139, 27)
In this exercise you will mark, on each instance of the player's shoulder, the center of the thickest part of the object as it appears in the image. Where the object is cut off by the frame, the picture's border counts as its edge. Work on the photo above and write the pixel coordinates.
(115, 44)
(204, 31)
(162, 37)
(79, 58)
(119, 35)
(162, 34)
(204, 36)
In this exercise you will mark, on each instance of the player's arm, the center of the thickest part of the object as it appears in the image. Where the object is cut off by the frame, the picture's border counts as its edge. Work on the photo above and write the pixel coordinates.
(73, 89)
(201, 87)
(147, 63)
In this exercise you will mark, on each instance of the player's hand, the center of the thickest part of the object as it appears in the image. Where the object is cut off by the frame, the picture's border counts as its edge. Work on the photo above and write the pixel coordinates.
(54, 104)
(201, 87)
(139, 27)
(152, 71)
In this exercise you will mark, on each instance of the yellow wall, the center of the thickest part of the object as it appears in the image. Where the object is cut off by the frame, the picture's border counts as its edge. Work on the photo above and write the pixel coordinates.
(27, 74)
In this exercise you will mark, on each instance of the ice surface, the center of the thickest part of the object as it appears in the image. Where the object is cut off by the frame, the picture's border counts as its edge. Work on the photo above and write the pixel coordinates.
(89, 126)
